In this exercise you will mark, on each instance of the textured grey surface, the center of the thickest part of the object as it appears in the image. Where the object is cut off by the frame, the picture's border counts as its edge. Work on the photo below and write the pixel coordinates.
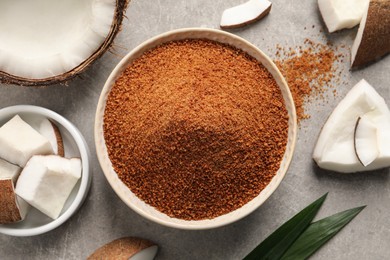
(104, 217)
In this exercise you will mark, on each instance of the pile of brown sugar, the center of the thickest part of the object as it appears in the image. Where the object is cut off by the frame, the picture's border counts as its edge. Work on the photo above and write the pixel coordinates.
(195, 128)
(309, 70)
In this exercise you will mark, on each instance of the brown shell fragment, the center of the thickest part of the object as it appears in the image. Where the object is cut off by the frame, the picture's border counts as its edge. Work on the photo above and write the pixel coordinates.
(121, 248)
(9, 210)
(60, 142)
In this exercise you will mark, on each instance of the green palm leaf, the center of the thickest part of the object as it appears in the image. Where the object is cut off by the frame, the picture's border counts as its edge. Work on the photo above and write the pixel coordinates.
(318, 233)
(279, 241)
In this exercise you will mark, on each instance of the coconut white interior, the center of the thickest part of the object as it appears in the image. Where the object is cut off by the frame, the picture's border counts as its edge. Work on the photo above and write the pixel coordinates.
(45, 38)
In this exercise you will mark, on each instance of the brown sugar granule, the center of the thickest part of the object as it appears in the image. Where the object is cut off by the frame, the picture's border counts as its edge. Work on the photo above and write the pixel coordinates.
(309, 71)
(195, 128)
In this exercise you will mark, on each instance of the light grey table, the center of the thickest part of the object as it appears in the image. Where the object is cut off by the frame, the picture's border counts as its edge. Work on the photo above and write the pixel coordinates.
(105, 217)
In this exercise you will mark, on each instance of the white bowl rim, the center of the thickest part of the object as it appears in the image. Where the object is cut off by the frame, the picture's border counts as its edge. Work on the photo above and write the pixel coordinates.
(85, 181)
(99, 140)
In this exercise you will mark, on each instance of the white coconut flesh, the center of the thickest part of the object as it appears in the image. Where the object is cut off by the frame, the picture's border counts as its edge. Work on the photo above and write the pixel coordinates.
(49, 130)
(9, 170)
(359, 35)
(245, 13)
(44, 38)
(335, 148)
(46, 182)
(19, 141)
(146, 254)
(341, 14)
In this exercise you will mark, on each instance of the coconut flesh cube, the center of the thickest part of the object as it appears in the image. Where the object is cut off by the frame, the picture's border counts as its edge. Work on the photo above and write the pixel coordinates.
(47, 181)
(12, 207)
(45, 41)
(19, 141)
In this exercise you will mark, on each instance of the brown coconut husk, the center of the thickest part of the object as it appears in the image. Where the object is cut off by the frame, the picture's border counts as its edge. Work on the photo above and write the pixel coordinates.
(121, 249)
(375, 41)
(9, 210)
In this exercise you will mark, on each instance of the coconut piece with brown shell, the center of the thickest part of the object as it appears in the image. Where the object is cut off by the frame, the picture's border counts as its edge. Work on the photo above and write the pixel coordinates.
(126, 248)
(12, 207)
(373, 38)
(50, 130)
(244, 14)
(48, 42)
(347, 145)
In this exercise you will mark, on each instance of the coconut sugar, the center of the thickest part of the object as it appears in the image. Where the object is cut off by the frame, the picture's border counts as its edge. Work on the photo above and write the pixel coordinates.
(310, 70)
(195, 128)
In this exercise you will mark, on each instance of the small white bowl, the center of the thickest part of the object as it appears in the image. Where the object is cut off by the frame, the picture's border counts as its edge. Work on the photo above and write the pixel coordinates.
(125, 193)
(36, 222)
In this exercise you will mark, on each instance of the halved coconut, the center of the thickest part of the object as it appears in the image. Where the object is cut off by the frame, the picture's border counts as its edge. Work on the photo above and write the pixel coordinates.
(45, 42)
(373, 38)
(125, 248)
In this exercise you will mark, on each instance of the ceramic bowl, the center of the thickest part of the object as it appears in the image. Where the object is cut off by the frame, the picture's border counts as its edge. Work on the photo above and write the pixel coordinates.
(36, 222)
(125, 193)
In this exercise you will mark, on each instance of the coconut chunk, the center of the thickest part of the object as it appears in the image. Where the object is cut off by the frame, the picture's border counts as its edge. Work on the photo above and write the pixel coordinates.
(335, 148)
(53, 134)
(46, 182)
(9, 210)
(12, 207)
(9, 170)
(373, 38)
(125, 248)
(342, 14)
(49, 129)
(19, 141)
(244, 14)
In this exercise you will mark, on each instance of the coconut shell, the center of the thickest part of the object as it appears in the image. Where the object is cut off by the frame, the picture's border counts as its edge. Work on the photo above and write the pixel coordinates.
(375, 42)
(121, 7)
(9, 210)
(121, 249)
